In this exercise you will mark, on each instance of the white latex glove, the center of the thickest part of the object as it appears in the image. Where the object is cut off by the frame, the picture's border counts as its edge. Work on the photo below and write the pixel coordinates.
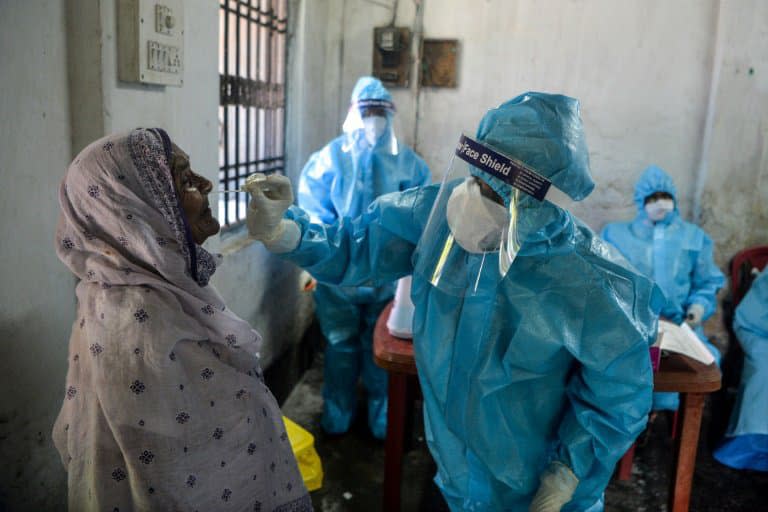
(694, 314)
(558, 484)
(271, 197)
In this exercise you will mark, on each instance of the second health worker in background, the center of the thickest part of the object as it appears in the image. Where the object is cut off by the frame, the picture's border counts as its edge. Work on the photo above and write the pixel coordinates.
(341, 181)
(674, 253)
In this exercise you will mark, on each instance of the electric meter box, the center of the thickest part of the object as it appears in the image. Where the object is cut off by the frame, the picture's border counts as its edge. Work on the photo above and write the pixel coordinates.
(392, 55)
(150, 38)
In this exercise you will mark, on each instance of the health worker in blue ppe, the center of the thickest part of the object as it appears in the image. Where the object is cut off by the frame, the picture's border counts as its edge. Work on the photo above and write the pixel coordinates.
(342, 180)
(531, 340)
(746, 442)
(676, 254)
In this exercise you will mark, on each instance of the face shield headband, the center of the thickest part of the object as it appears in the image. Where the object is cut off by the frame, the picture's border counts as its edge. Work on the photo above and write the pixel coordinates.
(362, 105)
(480, 219)
(511, 171)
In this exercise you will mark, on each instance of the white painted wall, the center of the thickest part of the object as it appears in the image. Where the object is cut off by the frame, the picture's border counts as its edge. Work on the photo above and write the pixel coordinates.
(36, 297)
(734, 202)
(315, 55)
(642, 71)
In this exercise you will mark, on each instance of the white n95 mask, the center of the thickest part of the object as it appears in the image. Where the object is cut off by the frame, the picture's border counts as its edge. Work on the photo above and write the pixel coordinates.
(657, 210)
(374, 127)
(475, 221)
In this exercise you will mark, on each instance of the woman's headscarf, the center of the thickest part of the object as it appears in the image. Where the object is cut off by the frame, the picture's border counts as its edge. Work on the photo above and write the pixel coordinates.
(119, 193)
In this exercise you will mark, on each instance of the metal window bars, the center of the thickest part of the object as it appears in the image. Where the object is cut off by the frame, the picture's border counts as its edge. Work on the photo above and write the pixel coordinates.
(252, 57)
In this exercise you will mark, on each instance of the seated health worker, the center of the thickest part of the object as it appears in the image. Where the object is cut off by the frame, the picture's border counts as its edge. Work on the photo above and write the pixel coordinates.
(676, 254)
(531, 342)
(165, 407)
(746, 442)
(342, 180)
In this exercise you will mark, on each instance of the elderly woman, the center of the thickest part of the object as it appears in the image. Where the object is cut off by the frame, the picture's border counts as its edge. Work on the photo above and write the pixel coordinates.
(165, 407)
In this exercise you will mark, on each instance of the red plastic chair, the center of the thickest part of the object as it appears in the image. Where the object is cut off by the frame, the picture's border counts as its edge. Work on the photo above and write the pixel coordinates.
(741, 270)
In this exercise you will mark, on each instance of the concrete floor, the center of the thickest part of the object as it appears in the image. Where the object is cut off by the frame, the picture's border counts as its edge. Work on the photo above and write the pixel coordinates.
(353, 466)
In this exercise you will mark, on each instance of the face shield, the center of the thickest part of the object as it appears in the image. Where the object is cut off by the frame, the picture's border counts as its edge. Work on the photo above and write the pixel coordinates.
(371, 125)
(487, 205)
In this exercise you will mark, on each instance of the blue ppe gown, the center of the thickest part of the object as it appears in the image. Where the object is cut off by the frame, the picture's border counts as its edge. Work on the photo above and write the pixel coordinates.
(552, 364)
(676, 254)
(746, 443)
(340, 180)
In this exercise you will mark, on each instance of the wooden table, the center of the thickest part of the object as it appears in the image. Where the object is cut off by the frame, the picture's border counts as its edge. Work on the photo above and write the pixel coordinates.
(693, 380)
(396, 356)
(677, 373)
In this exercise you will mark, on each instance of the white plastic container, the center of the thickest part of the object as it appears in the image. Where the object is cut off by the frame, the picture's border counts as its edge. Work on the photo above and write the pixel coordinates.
(400, 321)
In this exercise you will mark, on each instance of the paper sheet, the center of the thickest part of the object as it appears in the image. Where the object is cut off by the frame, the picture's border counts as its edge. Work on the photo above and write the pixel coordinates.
(682, 339)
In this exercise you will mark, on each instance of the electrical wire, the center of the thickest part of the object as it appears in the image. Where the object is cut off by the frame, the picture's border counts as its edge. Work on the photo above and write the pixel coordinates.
(394, 13)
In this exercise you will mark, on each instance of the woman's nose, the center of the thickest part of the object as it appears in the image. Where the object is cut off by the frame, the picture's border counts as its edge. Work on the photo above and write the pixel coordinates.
(204, 186)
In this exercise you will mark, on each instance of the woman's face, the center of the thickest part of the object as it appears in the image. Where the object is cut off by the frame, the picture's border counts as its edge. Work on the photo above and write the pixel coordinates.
(193, 191)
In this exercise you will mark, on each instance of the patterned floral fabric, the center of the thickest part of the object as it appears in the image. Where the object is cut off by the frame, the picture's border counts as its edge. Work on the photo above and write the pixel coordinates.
(164, 407)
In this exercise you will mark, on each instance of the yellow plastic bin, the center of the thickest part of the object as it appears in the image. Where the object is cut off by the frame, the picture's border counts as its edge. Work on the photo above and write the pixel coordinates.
(303, 445)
